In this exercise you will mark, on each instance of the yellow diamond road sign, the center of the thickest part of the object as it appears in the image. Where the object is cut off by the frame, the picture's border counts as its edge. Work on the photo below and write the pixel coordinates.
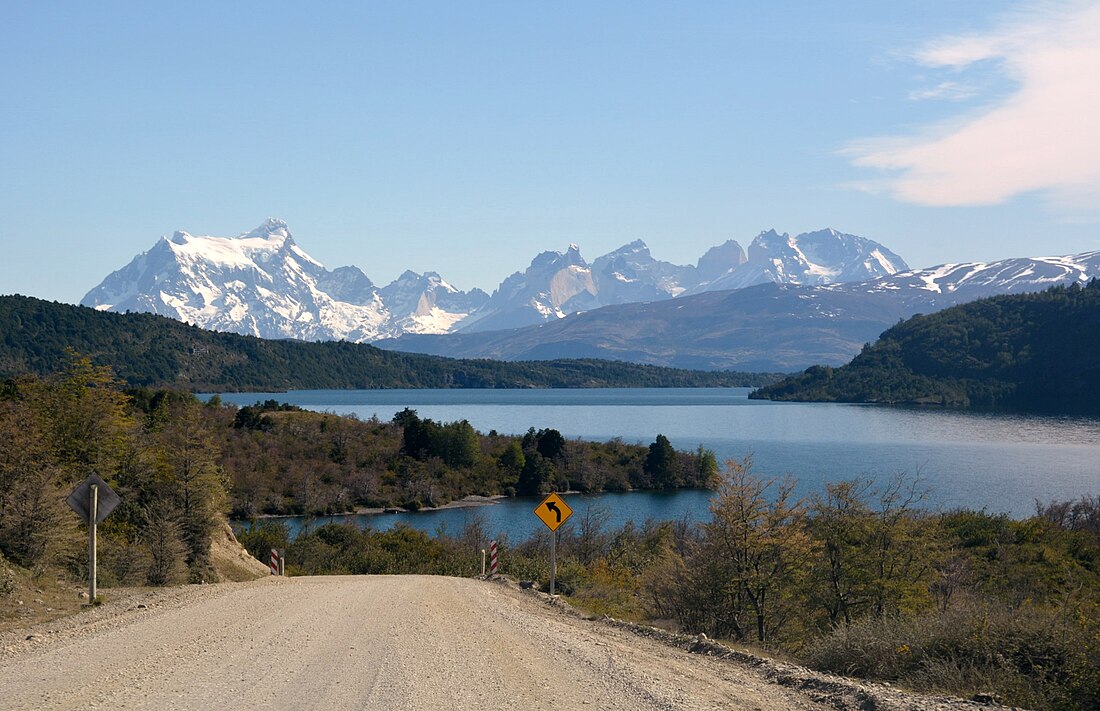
(553, 511)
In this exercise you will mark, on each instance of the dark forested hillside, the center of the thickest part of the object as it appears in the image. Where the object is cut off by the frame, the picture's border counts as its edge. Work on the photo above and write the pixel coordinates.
(147, 350)
(1038, 352)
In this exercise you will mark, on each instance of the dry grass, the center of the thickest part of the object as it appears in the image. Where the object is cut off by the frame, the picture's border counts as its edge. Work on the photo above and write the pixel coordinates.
(27, 599)
(1028, 657)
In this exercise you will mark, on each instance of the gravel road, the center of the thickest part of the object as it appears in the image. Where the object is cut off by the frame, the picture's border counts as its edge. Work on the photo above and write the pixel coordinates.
(363, 642)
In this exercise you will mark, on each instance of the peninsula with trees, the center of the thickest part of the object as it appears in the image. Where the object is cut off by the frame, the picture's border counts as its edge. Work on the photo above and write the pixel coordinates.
(1026, 352)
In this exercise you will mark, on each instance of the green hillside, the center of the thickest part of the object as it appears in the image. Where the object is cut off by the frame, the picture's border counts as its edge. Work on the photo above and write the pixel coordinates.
(153, 351)
(1037, 352)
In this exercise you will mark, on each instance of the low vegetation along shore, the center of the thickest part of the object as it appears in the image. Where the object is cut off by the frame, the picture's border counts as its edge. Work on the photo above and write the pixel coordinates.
(859, 579)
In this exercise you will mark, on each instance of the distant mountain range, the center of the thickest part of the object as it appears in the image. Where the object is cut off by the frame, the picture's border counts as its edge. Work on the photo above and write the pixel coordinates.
(768, 327)
(262, 283)
(786, 303)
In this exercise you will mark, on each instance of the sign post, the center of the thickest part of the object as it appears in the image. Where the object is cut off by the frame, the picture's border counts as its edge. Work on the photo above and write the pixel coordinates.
(553, 560)
(93, 501)
(93, 568)
(553, 512)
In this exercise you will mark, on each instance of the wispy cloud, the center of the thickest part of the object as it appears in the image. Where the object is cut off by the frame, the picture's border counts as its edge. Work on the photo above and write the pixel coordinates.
(950, 90)
(1042, 137)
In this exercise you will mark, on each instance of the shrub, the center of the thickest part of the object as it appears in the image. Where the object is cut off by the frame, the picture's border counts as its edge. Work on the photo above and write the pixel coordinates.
(1030, 657)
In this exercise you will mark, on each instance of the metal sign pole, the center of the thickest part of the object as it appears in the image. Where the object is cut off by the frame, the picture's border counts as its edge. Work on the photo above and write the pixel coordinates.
(553, 511)
(93, 512)
(553, 560)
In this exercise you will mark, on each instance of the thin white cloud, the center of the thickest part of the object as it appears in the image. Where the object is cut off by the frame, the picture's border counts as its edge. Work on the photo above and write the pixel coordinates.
(1041, 138)
(950, 90)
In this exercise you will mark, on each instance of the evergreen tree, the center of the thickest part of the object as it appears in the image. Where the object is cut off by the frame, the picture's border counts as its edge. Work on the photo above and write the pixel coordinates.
(660, 464)
(550, 443)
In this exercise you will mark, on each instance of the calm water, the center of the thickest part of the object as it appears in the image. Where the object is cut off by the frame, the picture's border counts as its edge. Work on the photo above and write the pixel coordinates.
(1002, 463)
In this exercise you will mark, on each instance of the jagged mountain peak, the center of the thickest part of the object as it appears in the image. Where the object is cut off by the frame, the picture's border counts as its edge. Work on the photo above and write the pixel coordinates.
(637, 247)
(719, 260)
(571, 257)
(271, 227)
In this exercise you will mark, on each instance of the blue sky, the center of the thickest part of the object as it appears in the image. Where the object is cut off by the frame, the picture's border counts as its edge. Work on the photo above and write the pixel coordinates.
(466, 137)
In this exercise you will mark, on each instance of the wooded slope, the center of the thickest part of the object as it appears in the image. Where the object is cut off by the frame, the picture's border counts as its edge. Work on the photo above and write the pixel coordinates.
(153, 351)
(1038, 352)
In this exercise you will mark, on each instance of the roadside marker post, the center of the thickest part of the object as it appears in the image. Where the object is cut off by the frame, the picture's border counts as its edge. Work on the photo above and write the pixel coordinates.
(93, 501)
(553, 512)
(482, 562)
(494, 562)
(274, 561)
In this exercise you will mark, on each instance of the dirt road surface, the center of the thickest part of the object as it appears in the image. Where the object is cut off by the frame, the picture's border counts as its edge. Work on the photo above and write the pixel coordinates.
(363, 642)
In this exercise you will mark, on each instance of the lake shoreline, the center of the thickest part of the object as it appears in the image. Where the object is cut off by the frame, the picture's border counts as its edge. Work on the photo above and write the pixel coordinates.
(466, 502)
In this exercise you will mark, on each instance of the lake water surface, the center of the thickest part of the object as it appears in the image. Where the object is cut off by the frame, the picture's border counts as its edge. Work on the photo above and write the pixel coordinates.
(998, 462)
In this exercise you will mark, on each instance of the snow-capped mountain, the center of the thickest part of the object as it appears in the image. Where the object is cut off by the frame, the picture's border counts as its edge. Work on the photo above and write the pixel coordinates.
(560, 283)
(631, 274)
(949, 284)
(261, 283)
(821, 257)
(426, 303)
(554, 285)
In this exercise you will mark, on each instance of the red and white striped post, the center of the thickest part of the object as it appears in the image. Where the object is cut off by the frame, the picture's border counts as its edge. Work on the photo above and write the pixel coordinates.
(274, 561)
(494, 563)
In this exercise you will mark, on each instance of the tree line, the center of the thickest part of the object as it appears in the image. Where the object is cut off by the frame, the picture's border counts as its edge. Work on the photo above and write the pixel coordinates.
(145, 350)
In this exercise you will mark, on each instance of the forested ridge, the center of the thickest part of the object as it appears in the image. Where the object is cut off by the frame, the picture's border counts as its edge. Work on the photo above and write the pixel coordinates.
(155, 351)
(1034, 352)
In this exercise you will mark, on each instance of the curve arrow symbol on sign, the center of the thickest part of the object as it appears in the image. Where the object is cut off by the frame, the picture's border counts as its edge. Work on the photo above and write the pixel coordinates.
(553, 511)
